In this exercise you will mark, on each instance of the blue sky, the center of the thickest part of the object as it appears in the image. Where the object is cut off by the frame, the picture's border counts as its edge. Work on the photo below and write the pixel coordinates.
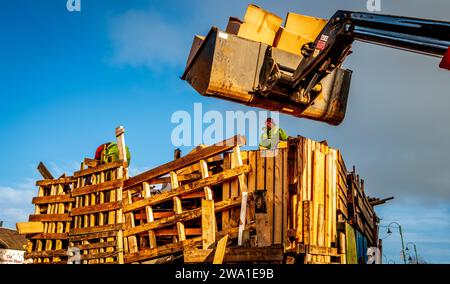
(68, 79)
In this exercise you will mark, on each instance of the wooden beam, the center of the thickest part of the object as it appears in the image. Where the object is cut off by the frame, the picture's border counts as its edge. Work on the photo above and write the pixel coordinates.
(120, 136)
(220, 250)
(103, 186)
(30, 227)
(186, 160)
(208, 223)
(102, 168)
(242, 216)
(49, 217)
(44, 171)
(52, 199)
(48, 182)
(96, 229)
(109, 206)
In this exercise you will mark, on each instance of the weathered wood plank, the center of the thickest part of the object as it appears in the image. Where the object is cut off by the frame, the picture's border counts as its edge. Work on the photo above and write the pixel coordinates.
(109, 206)
(52, 199)
(29, 227)
(208, 223)
(49, 217)
(48, 182)
(220, 250)
(107, 185)
(101, 168)
(96, 229)
(50, 236)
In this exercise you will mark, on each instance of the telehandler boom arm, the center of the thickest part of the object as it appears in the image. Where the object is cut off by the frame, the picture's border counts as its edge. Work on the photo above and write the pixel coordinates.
(333, 43)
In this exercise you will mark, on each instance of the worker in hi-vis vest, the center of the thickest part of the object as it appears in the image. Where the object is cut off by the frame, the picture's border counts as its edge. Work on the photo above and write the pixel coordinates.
(272, 135)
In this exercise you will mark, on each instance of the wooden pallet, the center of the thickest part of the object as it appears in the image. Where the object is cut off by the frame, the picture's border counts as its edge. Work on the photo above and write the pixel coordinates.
(52, 207)
(97, 213)
(168, 222)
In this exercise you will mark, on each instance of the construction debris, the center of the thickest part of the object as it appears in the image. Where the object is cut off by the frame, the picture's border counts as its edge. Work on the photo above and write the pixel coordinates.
(217, 204)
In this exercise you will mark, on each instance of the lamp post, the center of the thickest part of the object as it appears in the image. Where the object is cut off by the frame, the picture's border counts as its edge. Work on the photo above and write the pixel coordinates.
(401, 237)
(415, 250)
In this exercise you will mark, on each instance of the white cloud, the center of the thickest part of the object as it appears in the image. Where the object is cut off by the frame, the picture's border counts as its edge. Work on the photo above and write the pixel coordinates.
(15, 204)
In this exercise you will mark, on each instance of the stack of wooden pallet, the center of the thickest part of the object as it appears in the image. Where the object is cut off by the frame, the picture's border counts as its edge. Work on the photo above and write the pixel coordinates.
(361, 213)
(217, 204)
(48, 229)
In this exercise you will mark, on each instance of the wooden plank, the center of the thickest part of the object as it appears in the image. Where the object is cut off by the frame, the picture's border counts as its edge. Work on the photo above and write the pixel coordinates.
(318, 198)
(121, 146)
(97, 245)
(96, 229)
(93, 236)
(185, 216)
(226, 192)
(334, 198)
(242, 217)
(278, 197)
(270, 180)
(44, 171)
(174, 232)
(208, 223)
(243, 193)
(188, 188)
(50, 236)
(205, 174)
(187, 160)
(234, 193)
(301, 185)
(52, 199)
(109, 206)
(51, 253)
(30, 227)
(101, 168)
(262, 219)
(131, 242)
(49, 217)
(286, 205)
(103, 186)
(48, 182)
(220, 250)
(351, 253)
(306, 220)
(91, 163)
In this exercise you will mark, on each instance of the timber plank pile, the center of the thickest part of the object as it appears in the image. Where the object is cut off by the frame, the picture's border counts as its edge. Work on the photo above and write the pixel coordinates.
(217, 204)
(48, 229)
(97, 213)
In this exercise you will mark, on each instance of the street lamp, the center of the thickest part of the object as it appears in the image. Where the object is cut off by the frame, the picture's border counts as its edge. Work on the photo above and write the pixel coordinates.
(415, 250)
(401, 237)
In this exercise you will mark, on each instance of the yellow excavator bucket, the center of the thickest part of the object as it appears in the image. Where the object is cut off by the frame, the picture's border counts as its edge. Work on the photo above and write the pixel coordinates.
(233, 65)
